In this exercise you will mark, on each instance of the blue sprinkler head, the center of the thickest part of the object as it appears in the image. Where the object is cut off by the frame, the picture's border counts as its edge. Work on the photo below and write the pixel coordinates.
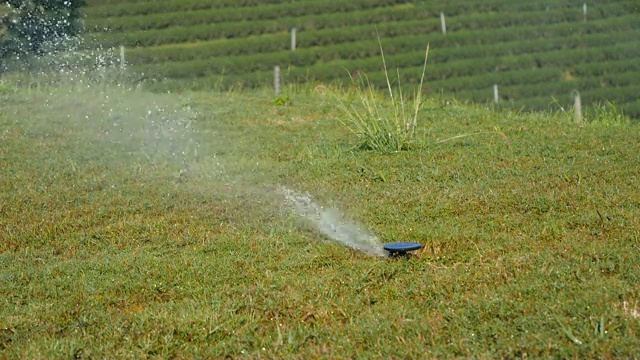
(401, 248)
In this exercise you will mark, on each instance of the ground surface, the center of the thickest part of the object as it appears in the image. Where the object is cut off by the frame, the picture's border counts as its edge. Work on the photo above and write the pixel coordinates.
(140, 225)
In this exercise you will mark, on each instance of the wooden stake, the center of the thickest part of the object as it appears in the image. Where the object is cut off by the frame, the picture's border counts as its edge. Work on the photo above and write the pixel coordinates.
(577, 106)
(123, 62)
(496, 98)
(276, 79)
(443, 23)
(293, 39)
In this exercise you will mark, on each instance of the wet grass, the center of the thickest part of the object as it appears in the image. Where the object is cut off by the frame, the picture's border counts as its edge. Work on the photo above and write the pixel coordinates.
(138, 225)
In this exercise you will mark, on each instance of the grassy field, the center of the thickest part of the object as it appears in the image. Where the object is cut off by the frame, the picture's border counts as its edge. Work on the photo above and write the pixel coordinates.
(145, 225)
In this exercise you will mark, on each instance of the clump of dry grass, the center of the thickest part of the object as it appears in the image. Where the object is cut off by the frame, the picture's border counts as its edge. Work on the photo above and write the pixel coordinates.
(386, 124)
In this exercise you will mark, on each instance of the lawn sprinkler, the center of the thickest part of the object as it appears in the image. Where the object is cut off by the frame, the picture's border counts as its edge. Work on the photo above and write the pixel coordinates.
(401, 249)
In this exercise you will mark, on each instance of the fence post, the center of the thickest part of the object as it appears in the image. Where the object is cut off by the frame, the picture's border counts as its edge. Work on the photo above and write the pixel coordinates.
(443, 23)
(276, 79)
(293, 39)
(577, 106)
(496, 98)
(123, 62)
(584, 11)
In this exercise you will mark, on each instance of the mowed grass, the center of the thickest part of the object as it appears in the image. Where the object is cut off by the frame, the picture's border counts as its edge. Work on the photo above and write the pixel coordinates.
(140, 225)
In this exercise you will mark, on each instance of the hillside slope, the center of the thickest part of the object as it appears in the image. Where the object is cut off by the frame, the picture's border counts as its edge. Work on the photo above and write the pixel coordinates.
(537, 52)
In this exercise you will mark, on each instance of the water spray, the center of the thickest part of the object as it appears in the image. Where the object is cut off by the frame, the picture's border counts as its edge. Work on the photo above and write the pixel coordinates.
(333, 224)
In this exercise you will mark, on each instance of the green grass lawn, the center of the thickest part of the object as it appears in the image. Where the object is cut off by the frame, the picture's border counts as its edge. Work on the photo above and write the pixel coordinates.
(141, 225)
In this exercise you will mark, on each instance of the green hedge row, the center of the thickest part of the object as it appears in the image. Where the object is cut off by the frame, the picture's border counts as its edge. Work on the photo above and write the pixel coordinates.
(94, 3)
(364, 32)
(411, 45)
(484, 81)
(528, 32)
(286, 7)
(540, 18)
(534, 79)
(630, 106)
(537, 82)
(458, 7)
(482, 70)
(182, 34)
(269, 44)
(222, 17)
(531, 49)
(116, 8)
(474, 66)
(318, 16)
(480, 87)
(524, 91)
(543, 44)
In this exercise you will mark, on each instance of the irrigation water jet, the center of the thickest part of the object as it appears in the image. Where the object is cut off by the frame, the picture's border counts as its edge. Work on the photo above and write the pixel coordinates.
(331, 223)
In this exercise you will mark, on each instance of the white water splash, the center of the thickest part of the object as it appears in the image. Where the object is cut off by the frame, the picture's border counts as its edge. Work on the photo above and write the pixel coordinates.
(333, 224)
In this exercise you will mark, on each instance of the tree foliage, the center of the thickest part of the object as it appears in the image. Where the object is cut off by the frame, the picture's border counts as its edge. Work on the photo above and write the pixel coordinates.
(33, 26)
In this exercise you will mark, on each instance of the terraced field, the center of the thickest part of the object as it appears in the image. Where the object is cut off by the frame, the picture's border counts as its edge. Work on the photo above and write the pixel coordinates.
(536, 52)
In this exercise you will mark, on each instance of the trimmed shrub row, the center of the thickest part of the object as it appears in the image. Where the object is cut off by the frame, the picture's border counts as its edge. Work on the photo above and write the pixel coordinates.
(256, 16)
(523, 68)
(286, 7)
(411, 45)
(531, 49)
(426, 27)
(117, 8)
(319, 17)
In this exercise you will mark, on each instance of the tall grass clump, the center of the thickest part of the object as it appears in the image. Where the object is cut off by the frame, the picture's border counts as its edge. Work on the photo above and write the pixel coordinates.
(385, 124)
(607, 114)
